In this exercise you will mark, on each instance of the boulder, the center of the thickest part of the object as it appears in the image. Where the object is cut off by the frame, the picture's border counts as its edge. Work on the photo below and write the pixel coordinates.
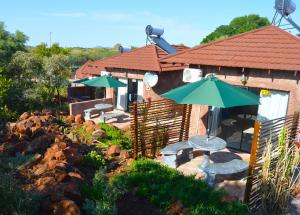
(124, 154)
(66, 207)
(70, 119)
(24, 116)
(113, 150)
(175, 208)
(79, 119)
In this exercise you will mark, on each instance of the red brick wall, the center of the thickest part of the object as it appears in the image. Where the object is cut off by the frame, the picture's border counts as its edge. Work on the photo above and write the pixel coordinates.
(275, 80)
(166, 82)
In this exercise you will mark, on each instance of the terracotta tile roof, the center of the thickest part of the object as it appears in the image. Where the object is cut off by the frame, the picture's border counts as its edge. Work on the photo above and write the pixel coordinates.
(265, 48)
(145, 58)
(89, 69)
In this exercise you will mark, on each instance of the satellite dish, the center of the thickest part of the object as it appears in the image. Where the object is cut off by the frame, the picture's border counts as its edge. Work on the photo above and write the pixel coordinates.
(150, 79)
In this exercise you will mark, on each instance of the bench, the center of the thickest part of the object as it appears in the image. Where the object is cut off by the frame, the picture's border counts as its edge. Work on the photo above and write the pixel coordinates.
(231, 167)
(170, 153)
(88, 112)
(105, 116)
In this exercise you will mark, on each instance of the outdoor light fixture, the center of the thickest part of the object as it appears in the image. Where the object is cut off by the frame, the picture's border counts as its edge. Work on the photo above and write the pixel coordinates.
(244, 79)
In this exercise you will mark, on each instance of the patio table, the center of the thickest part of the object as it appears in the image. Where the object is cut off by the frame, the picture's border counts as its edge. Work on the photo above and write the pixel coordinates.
(103, 106)
(212, 144)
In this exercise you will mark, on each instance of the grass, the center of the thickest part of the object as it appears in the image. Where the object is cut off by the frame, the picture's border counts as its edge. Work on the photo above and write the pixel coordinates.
(114, 136)
(278, 174)
(164, 186)
(93, 159)
(101, 196)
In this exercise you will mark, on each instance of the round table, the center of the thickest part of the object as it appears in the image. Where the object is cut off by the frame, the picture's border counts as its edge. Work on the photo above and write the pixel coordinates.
(211, 144)
(103, 106)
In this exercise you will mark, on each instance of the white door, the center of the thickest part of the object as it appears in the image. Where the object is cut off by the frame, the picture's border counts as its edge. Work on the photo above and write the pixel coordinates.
(122, 96)
(140, 91)
(273, 105)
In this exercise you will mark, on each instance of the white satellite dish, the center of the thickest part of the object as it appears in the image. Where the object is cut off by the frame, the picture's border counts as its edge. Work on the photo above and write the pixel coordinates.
(150, 79)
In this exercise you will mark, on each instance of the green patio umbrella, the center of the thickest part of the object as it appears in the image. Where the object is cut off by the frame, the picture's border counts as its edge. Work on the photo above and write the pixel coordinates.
(79, 81)
(104, 81)
(212, 91)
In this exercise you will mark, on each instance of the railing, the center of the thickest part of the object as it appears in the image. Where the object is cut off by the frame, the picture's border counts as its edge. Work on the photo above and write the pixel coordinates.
(156, 124)
(263, 132)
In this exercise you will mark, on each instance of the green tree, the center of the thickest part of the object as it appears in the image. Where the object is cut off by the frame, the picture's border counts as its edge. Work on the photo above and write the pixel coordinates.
(24, 70)
(42, 50)
(10, 43)
(236, 26)
(56, 74)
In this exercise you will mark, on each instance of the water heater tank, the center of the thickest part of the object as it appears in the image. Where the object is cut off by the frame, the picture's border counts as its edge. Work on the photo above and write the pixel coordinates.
(154, 31)
(285, 7)
(124, 49)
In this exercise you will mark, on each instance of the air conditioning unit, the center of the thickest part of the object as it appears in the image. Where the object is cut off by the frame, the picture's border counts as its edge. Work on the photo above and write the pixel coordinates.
(104, 73)
(191, 75)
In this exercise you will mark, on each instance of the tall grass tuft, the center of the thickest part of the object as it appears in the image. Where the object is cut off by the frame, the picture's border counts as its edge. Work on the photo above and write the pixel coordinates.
(279, 174)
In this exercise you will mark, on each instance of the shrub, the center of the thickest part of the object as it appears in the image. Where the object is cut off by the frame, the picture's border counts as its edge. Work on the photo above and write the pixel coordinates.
(114, 136)
(93, 159)
(279, 174)
(13, 200)
(163, 186)
(100, 197)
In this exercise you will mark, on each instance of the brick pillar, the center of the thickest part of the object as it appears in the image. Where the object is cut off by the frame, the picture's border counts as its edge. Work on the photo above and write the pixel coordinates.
(198, 120)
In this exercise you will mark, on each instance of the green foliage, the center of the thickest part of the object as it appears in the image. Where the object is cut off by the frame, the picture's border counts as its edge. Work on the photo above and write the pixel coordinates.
(13, 200)
(163, 186)
(83, 135)
(101, 196)
(79, 56)
(10, 43)
(42, 50)
(114, 136)
(237, 25)
(279, 174)
(94, 159)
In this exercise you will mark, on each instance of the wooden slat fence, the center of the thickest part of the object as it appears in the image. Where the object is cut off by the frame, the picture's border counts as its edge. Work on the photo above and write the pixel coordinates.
(156, 124)
(264, 131)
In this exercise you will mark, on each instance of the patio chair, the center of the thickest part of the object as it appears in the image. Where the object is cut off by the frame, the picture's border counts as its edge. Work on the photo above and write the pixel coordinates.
(231, 167)
(170, 153)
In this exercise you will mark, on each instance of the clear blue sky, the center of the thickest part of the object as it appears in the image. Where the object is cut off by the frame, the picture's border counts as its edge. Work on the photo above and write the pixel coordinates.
(90, 23)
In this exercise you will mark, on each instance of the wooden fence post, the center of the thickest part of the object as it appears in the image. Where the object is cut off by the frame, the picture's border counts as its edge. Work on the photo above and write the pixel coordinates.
(294, 128)
(255, 142)
(183, 122)
(134, 130)
(187, 122)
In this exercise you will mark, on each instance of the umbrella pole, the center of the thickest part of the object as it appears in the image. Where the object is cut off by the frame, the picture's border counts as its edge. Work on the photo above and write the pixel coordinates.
(208, 124)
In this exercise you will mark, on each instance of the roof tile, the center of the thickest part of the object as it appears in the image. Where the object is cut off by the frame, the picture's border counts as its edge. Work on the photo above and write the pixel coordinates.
(265, 48)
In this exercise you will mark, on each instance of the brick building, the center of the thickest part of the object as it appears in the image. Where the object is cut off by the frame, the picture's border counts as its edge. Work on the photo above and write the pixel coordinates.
(130, 68)
(266, 61)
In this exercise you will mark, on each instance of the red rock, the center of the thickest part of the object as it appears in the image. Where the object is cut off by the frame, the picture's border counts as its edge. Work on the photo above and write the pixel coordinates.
(71, 190)
(124, 154)
(66, 207)
(228, 198)
(20, 127)
(89, 123)
(175, 208)
(90, 128)
(79, 119)
(113, 150)
(24, 116)
(70, 119)
(76, 176)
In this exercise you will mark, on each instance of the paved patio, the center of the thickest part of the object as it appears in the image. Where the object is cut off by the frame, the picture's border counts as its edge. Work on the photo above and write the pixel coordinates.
(233, 184)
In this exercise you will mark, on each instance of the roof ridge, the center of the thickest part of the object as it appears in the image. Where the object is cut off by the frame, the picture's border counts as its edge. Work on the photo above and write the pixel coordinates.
(158, 59)
(217, 41)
